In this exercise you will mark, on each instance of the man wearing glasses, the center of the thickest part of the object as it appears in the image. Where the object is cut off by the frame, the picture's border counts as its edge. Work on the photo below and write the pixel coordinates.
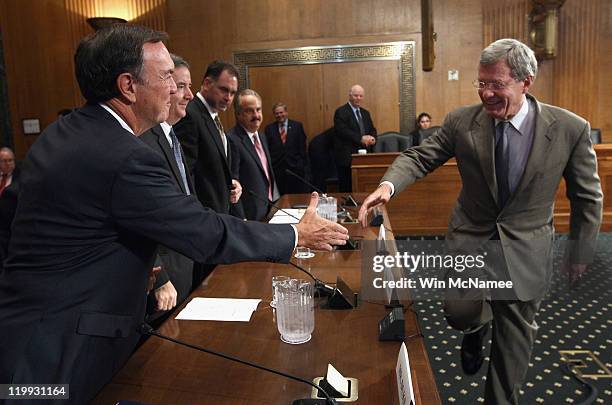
(511, 152)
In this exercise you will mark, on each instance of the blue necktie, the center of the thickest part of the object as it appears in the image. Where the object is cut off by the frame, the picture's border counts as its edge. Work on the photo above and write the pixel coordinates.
(502, 161)
(176, 148)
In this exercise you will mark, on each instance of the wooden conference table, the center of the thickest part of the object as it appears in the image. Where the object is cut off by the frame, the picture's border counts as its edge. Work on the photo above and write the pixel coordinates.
(161, 372)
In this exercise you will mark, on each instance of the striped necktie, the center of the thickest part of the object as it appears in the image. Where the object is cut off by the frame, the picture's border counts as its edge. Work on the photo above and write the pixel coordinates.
(176, 149)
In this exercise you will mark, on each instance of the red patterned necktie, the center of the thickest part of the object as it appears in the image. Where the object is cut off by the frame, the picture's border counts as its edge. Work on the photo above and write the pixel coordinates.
(3, 182)
(283, 134)
(264, 162)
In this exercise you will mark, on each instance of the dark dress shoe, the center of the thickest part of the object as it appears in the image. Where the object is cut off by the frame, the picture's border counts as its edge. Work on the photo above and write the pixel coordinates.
(472, 354)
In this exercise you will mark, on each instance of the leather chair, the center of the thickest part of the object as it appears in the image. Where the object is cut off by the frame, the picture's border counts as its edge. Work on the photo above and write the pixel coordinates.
(392, 142)
(424, 134)
(595, 135)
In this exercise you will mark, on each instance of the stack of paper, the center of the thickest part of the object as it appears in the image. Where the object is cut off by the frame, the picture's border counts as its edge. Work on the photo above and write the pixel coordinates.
(219, 309)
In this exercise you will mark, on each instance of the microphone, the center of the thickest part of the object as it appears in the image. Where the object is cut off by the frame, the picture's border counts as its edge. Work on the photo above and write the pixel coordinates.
(146, 329)
(348, 200)
(320, 286)
(254, 194)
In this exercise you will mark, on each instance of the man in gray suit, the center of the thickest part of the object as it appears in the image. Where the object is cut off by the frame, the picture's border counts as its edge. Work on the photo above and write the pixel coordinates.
(511, 153)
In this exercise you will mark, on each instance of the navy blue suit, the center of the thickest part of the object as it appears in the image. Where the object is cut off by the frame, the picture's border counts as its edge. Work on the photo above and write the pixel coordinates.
(252, 175)
(94, 203)
(290, 155)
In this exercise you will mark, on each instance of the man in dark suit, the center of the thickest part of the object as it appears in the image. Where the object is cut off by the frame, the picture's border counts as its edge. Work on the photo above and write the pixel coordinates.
(511, 152)
(204, 141)
(174, 282)
(94, 203)
(9, 189)
(354, 130)
(287, 143)
(255, 170)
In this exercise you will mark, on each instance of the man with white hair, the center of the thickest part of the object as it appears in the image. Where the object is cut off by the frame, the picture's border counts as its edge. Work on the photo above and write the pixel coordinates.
(353, 130)
(511, 152)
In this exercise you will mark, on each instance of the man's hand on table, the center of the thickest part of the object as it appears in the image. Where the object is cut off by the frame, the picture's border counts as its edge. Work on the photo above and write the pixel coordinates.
(379, 197)
(318, 233)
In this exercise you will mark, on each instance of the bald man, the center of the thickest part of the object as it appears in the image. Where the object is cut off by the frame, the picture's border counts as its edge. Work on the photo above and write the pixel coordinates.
(353, 130)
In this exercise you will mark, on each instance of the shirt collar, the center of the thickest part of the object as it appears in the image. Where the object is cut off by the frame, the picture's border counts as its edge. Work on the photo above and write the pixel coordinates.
(210, 111)
(520, 116)
(117, 117)
(166, 128)
(250, 134)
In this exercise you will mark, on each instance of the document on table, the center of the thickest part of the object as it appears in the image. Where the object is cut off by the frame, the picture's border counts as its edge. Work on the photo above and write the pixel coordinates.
(283, 217)
(219, 309)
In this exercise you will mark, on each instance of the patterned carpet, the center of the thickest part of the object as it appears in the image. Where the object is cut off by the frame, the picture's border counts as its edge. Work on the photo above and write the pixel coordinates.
(576, 320)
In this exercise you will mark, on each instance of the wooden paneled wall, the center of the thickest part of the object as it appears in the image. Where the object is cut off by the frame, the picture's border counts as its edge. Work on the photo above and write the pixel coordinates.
(39, 38)
(580, 77)
(201, 34)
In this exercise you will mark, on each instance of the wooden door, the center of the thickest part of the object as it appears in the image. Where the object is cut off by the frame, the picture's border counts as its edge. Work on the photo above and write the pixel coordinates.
(380, 80)
(298, 86)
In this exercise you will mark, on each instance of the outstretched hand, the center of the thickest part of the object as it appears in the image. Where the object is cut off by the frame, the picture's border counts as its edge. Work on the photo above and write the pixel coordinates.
(318, 233)
(379, 197)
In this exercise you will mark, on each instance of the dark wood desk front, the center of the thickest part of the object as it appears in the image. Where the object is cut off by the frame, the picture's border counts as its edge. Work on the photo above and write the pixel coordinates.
(425, 207)
(161, 372)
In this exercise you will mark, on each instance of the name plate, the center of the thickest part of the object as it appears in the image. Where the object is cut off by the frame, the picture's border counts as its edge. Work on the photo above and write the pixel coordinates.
(404, 378)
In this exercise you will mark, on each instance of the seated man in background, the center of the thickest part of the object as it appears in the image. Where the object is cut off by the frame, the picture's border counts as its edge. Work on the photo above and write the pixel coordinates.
(353, 130)
(94, 204)
(287, 143)
(174, 282)
(256, 174)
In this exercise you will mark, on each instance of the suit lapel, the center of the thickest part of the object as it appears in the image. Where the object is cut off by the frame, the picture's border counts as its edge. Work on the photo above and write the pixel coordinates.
(214, 132)
(169, 154)
(544, 123)
(483, 135)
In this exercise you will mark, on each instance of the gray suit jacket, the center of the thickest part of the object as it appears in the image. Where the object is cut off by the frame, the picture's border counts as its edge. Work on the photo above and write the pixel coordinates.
(561, 148)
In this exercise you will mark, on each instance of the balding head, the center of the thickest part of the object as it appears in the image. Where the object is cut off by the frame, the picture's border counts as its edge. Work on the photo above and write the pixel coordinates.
(7, 161)
(356, 95)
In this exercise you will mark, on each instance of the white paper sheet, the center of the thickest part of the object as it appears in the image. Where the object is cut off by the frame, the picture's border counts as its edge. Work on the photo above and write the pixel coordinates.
(283, 217)
(219, 309)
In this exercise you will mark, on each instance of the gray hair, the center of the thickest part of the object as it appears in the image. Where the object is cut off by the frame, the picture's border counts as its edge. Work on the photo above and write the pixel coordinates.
(520, 57)
(242, 93)
(179, 62)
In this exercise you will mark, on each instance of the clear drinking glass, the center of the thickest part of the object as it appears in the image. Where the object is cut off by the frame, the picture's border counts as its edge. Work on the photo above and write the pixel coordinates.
(303, 253)
(276, 280)
(295, 311)
(328, 208)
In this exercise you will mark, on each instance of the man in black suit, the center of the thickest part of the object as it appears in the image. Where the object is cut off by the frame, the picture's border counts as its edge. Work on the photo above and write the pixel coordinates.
(255, 169)
(94, 203)
(353, 130)
(204, 141)
(287, 143)
(9, 188)
(174, 282)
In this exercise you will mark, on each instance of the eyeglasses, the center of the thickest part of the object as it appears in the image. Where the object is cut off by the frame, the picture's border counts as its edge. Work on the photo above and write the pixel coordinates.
(492, 85)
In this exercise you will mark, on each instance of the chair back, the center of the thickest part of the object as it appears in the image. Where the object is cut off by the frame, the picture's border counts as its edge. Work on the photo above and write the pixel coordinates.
(595, 135)
(392, 142)
(424, 134)
(322, 162)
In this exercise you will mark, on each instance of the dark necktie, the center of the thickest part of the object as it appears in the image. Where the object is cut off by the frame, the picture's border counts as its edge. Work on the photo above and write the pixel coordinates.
(219, 126)
(502, 160)
(360, 122)
(176, 148)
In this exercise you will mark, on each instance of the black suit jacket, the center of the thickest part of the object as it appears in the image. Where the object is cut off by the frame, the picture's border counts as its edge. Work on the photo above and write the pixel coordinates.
(347, 137)
(291, 155)
(176, 267)
(73, 290)
(252, 175)
(205, 157)
(8, 205)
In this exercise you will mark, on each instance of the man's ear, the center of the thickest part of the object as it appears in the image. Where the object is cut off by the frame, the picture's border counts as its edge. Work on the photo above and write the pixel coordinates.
(126, 83)
(527, 83)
